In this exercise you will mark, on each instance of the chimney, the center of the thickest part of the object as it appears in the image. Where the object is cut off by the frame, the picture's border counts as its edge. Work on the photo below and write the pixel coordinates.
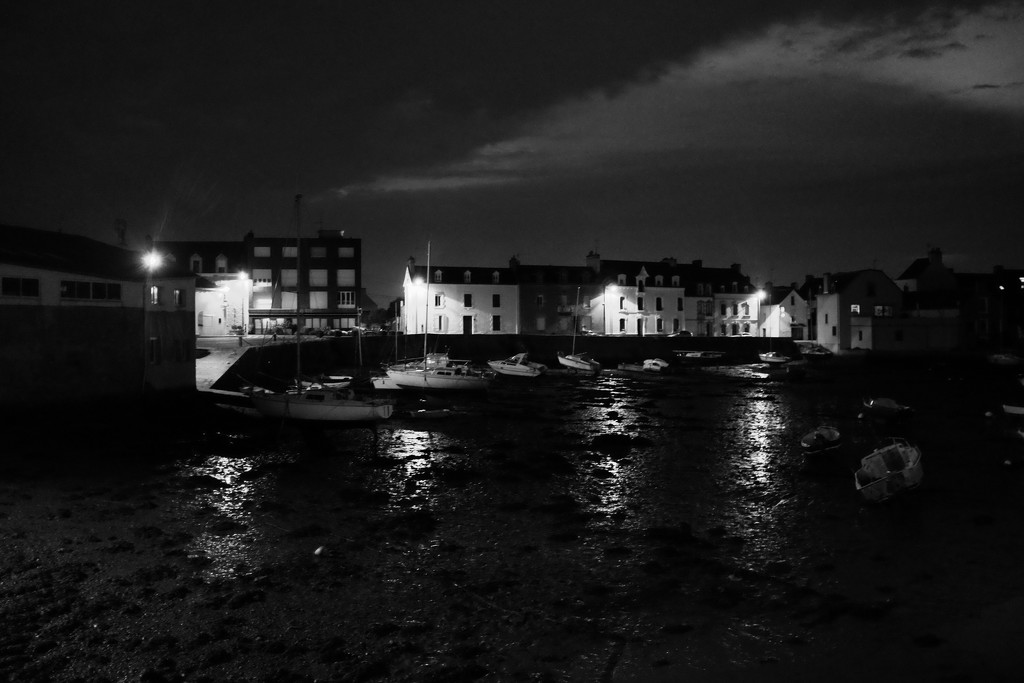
(735, 267)
(513, 263)
(698, 263)
(669, 260)
(826, 286)
(935, 256)
(594, 261)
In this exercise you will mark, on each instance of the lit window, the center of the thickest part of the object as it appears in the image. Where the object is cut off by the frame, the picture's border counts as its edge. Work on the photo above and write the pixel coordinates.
(154, 295)
(854, 308)
(261, 252)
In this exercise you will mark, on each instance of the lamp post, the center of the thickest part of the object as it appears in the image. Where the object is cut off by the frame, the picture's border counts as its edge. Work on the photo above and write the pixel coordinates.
(151, 261)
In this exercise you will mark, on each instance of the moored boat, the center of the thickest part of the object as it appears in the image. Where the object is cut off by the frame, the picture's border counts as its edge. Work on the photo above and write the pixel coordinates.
(886, 408)
(518, 365)
(774, 358)
(315, 402)
(436, 371)
(893, 467)
(579, 362)
(821, 439)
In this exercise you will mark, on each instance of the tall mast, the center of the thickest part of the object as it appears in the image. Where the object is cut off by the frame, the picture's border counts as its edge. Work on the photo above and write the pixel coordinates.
(298, 294)
(426, 307)
(575, 319)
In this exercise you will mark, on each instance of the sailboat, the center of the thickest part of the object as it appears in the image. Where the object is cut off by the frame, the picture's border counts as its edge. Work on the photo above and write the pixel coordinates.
(436, 371)
(315, 402)
(578, 362)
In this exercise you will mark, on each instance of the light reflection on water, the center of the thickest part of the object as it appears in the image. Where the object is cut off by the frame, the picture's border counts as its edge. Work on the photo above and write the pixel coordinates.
(233, 542)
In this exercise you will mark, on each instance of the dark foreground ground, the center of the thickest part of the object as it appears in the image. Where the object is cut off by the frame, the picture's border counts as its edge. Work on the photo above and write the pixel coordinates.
(617, 529)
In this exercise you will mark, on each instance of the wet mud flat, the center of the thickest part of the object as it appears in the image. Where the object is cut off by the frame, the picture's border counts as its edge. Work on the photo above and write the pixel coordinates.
(572, 529)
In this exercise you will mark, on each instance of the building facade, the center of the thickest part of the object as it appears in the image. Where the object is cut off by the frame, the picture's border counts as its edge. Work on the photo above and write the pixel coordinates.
(460, 300)
(321, 277)
(86, 321)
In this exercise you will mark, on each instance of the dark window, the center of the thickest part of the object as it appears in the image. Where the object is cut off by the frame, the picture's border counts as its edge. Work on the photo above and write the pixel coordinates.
(114, 291)
(657, 303)
(640, 285)
(467, 300)
(496, 323)
(99, 290)
(639, 303)
(496, 300)
(679, 303)
(622, 324)
(20, 286)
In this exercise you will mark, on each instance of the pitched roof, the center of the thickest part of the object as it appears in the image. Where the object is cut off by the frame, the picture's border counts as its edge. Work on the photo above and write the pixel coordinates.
(67, 253)
(915, 269)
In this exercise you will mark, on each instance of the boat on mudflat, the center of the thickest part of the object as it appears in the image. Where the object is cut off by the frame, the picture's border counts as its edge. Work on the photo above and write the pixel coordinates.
(774, 358)
(438, 372)
(893, 467)
(886, 408)
(821, 439)
(579, 362)
(518, 365)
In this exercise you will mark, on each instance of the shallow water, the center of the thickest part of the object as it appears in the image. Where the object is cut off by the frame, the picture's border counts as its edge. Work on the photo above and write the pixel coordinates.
(610, 528)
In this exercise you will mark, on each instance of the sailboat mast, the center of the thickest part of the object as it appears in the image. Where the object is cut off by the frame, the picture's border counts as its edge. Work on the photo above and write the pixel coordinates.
(426, 307)
(575, 319)
(298, 294)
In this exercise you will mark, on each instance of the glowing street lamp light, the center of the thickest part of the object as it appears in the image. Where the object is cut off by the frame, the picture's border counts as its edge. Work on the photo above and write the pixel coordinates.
(152, 260)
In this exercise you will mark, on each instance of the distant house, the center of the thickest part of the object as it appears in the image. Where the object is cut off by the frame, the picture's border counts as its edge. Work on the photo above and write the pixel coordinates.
(856, 310)
(84, 320)
(460, 300)
(609, 297)
(784, 312)
(223, 287)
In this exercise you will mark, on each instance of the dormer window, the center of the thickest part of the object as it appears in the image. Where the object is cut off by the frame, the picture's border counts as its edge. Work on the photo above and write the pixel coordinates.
(437, 276)
(495, 277)
(659, 281)
(466, 278)
(196, 262)
(640, 285)
(222, 263)
(621, 279)
(675, 280)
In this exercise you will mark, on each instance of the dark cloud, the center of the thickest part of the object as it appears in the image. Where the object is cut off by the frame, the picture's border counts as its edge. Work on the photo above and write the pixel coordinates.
(200, 116)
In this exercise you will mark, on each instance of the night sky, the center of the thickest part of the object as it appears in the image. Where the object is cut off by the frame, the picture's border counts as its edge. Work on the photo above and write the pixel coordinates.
(795, 139)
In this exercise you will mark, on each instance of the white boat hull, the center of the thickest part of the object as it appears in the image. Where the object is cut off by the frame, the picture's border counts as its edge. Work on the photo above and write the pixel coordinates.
(579, 363)
(517, 366)
(442, 379)
(319, 406)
